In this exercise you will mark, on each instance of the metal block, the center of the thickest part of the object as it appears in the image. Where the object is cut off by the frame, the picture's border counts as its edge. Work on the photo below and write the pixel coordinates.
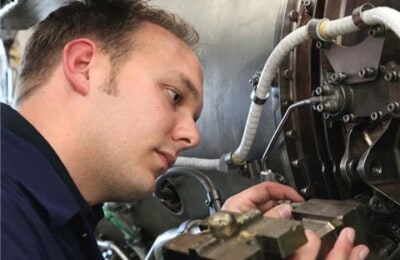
(229, 235)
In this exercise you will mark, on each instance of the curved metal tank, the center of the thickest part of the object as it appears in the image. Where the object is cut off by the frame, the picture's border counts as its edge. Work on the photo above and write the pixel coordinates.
(236, 37)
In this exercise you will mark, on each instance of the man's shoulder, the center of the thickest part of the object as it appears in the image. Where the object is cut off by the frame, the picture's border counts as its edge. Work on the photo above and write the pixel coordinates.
(27, 230)
(19, 210)
(31, 177)
(21, 228)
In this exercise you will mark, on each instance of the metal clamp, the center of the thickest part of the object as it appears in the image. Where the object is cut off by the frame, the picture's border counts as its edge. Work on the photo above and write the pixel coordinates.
(356, 15)
(232, 161)
(314, 29)
(257, 100)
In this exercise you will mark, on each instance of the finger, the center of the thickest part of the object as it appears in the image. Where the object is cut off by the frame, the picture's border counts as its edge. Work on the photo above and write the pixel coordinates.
(280, 211)
(266, 191)
(237, 204)
(309, 250)
(359, 252)
(260, 196)
(267, 206)
(343, 246)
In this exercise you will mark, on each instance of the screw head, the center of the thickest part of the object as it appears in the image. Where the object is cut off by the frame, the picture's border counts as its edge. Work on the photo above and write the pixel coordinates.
(318, 91)
(376, 115)
(391, 76)
(321, 45)
(338, 77)
(393, 107)
(348, 118)
(288, 74)
(366, 73)
(294, 16)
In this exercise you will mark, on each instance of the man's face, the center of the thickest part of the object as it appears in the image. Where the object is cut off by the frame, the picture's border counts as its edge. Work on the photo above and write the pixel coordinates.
(137, 134)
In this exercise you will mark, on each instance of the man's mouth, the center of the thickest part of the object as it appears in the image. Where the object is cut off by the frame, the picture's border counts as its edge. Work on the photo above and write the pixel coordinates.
(168, 158)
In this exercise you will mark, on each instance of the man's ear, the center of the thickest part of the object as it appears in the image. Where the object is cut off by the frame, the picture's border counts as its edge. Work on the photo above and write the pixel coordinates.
(77, 57)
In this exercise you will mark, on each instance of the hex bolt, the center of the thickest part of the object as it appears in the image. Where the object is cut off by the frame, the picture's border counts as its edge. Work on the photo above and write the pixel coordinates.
(291, 134)
(367, 73)
(377, 204)
(288, 74)
(348, 118)
(322, 45)
(377, 31)
(306, 192)
(376, 169)
(391, 76)
(376, 115)
(294, 16)
(254, 81)
(393, 107)
(298, 164)
(308, 5)
(338, 77)
(324, 90)
(320, 108)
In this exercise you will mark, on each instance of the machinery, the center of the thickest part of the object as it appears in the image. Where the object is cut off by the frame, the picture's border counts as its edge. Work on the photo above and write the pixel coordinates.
(305, 93)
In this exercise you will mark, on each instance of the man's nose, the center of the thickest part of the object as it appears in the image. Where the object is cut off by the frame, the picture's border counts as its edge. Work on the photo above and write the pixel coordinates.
(187, 134)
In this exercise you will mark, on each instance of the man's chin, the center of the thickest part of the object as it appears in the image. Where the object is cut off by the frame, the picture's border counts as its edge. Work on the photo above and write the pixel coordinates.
(136, 193)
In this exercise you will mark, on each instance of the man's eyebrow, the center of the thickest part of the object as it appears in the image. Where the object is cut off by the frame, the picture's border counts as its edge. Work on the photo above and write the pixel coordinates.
(189, 85)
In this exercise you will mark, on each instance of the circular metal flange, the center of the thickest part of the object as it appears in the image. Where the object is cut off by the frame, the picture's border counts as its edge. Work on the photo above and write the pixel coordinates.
(314, 29)
(356, 15)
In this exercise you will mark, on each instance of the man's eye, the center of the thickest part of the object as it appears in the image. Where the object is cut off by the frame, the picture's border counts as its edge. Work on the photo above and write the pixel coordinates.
(175, 96)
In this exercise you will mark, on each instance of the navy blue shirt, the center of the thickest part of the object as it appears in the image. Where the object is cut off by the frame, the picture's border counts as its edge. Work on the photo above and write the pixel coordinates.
(43, 215)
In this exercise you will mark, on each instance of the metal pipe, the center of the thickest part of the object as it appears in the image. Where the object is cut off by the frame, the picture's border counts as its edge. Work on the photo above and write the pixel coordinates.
(274, 138)
(325, 29)
(212, 193)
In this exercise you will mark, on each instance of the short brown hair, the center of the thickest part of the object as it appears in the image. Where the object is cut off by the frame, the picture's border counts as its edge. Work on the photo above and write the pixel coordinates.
(109, 22)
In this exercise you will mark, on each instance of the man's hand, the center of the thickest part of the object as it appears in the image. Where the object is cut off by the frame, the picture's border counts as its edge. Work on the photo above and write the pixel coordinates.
(342, 250)
(262, 196)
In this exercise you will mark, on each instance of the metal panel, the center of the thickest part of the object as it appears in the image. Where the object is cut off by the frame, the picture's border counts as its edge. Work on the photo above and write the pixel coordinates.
(28, 13)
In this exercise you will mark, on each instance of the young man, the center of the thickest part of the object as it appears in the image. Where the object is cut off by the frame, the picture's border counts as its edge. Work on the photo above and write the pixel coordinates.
(110, 92)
